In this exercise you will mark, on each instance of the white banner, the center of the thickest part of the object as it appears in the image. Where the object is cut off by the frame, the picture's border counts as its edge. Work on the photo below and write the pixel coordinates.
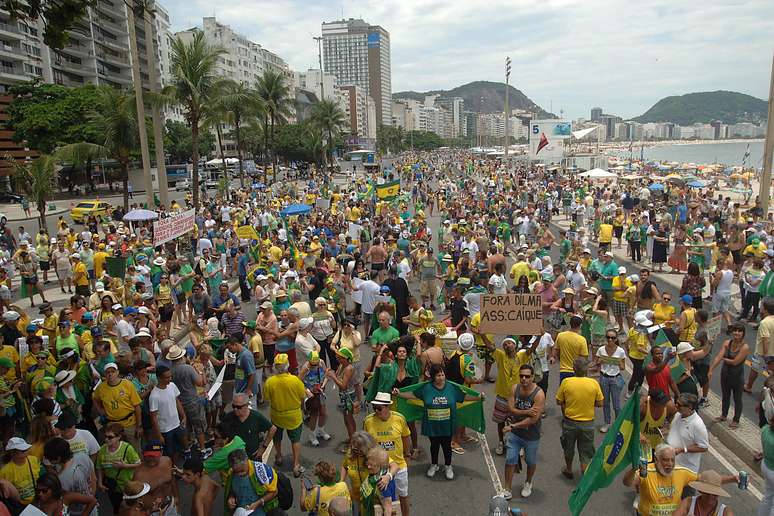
(172, 227)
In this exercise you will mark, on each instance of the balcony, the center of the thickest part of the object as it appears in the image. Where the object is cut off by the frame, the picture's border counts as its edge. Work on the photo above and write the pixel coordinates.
(120, 60)
(109, 7)
(110, 76)
(11, 30)
(79, 32)
(12, 53)
(111, 24)
(79, 49)
(13, 73)
(111, 43)
(68, 65)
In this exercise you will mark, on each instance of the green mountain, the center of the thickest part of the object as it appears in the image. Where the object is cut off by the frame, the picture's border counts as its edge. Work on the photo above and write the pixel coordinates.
(483, 97)
(729, 107)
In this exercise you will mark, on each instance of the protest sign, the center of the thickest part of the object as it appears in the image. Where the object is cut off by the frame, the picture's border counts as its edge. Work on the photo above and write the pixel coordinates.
(511, 314)
(322, 203)
(247, 232)
(713, 327)
(172, 227)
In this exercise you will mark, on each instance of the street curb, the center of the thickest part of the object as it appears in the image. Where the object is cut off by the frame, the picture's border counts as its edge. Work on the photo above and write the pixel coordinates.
(744, 442)
(37, 217)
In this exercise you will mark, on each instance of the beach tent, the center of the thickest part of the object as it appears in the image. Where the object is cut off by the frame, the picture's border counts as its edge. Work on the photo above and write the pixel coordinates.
(584, 132)
(598, 173)
(296, 209)
(656, 186)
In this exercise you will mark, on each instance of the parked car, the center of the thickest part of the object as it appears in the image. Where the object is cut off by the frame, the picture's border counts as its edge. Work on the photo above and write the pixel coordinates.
(84, 209)
(3, 220)
(182, 185)
(9, 197)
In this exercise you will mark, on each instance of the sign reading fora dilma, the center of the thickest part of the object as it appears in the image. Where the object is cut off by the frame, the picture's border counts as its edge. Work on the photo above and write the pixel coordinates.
(511, 314)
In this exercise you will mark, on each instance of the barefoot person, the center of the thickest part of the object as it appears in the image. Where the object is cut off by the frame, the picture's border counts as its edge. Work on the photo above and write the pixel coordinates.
(156, 471)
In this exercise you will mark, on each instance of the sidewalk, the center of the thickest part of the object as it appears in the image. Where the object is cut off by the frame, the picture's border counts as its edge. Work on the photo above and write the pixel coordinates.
(744, 441)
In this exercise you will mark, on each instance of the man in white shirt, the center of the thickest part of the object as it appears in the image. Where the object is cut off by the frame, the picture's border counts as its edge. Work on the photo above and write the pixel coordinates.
(167, 414)
(81, 441)
(688, 434)
(370, 289)
(125, 328)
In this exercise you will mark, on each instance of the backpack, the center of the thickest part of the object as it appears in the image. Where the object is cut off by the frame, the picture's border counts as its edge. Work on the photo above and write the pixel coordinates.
(284, 491)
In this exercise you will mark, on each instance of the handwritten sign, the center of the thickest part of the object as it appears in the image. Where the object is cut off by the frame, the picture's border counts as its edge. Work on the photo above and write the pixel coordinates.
(247, 232)
(511, 314)
(172, 227)
(713, 327)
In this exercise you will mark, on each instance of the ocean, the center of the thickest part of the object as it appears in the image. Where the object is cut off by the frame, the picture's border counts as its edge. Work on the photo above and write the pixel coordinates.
(730, 153)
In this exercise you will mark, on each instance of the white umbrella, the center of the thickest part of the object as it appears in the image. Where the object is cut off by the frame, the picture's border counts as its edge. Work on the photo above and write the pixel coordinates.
(598, 173)
(139, 215)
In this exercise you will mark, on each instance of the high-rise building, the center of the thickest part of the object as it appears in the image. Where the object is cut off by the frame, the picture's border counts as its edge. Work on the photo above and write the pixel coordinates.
(354, 103)
(311, 80)
(358, 54)
(596, 112)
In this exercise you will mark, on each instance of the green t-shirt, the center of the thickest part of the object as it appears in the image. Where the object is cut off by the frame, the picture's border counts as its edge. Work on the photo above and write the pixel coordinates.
(439, 419)
(67, 342)
(384, 336)
(767, 441)
(219, 460)
(126, 454)
(187, 285)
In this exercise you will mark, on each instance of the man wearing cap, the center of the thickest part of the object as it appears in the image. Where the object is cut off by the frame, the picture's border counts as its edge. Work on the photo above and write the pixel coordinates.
(188, 380)
(285, 394)
(607, 269)
(619, 285)
(117, 400)
(391, 432)
(124, 326)
(80, 276)
(157, 471)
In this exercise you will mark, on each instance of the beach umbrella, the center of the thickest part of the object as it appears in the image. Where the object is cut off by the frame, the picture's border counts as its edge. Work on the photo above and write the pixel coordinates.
(140, 215)
(697, 184)
(296, 209)
(656, 186)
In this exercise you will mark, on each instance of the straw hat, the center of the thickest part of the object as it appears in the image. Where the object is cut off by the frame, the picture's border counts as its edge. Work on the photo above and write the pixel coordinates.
(710, 482)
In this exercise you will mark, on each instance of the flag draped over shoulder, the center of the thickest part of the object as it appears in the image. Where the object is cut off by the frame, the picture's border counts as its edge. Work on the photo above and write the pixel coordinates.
(470, 414)
(619, 451)
(388, 191)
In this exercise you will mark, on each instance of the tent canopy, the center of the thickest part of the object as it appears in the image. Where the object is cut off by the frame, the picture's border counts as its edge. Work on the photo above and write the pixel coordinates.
(598, 173)
(218, 161)
(296, 209)
(584, 132)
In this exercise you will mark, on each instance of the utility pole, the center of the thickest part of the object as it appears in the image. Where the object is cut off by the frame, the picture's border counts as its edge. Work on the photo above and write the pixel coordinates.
(768, 151)
(507, 110)
(319, 39)
(148, 180)
(158, 119)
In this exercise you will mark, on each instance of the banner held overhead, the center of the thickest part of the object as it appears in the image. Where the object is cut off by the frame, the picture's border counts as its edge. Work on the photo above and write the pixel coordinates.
(172, 227)
(512, 314)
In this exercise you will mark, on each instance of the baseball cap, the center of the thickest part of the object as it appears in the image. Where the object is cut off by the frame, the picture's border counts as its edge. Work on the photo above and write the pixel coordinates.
(110, 365)
(686, 298)
(17, 443)
(621, 269)
(153, 449)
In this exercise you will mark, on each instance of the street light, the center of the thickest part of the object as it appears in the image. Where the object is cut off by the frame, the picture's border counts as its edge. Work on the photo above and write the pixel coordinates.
(507, 111)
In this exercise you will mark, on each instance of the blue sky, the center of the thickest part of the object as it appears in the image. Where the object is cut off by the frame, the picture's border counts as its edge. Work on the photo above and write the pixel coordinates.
(567, 54)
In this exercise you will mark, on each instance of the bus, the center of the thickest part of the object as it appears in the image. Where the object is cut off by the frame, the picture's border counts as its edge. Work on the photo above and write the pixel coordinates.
(177, 173)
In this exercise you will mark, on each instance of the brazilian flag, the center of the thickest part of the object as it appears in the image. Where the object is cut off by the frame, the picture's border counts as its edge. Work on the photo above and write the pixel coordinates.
(388, 191)
(470, 414)
(619, 450)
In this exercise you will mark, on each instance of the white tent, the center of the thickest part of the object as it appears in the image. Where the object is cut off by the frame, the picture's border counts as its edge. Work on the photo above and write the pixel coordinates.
(597, 173)
(584, 132)
(218, 162)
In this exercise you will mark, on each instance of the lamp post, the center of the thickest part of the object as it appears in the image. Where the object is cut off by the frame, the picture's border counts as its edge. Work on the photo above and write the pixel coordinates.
(319, 39)
(768, 151)
(507, 111)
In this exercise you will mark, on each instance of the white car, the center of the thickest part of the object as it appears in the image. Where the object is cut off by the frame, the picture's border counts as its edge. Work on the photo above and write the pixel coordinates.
(182, 185)
(3, 219)
(211, 184)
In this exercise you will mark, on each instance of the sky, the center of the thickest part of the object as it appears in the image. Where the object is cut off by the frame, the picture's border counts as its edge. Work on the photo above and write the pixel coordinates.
(568, 55)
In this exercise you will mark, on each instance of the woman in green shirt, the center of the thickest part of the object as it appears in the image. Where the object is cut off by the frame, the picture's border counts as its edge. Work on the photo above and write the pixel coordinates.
(440, 400)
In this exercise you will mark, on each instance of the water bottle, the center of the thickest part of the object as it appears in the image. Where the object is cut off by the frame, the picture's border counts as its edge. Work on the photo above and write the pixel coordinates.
(744, 480)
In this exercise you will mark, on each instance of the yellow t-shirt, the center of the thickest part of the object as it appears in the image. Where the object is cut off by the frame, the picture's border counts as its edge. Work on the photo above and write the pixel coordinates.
(571, 346)
(119, 401)
(620, 295)
(99, 263)
(255, 345)
(639, 345)
(285, 393)
(518, 270)
(507, 371)
(23, 477)
(659, 496)
(11, 354)
(605, 233)
(389, 435)
(663, 314)
(579, 393)
(475, 322)
(327, 493)
(80, 275)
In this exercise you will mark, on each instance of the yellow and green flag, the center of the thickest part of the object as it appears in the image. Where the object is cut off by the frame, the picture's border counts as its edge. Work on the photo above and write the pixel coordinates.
(619, 450)
(470, 414)
(388, 191)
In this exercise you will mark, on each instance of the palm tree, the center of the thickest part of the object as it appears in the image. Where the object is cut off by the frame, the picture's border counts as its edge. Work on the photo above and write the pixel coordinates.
(330, 119)
(193, 85)
(213, 117)
(274, 95)
(38, 180)
(240, 102)
(115, 117)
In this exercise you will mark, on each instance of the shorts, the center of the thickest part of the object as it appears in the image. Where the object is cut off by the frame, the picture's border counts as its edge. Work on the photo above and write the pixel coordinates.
(620, 308)
(268, 353)
(701, 372)
(173, 441)
(757, 363)
(721, 303)
(82, 290)
(347, 400)
(564, 374)
(293, 434)
(580, 433)
(165, 312)
(514, 444)
(377, 266)
(401, 482)
(428, 288)
(500, 412)
(64, 274)
(618, 231)
(92, 275)
(45, 266)
(359, 373)
(737, 255)
(196, 420)
(484, 353)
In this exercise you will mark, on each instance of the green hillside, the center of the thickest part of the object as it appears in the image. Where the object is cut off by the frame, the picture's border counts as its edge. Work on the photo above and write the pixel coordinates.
(727, 106)
(483, 97)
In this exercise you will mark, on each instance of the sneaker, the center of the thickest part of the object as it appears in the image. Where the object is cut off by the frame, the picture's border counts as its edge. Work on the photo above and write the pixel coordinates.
(604, 428)
(704, 402)
(526, 489)
(500, 448)
(449, 473)
(206, 452)
(507, 495)
(322, 434)
(313, 440)
(432, 470)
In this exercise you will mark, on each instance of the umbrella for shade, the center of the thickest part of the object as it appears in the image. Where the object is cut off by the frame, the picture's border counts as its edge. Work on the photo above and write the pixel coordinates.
(656, 186)
(139, 215)
(296, 209)
(598, 173)
(697, 184)
(259, 186)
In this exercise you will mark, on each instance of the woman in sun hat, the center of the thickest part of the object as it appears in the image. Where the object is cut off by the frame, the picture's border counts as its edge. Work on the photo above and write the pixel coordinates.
(709, 489)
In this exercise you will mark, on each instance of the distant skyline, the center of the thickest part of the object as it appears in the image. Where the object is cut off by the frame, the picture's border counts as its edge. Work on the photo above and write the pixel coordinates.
(569, 54)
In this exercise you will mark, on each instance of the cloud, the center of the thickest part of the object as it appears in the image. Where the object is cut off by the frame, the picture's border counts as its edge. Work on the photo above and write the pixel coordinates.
(572, 54)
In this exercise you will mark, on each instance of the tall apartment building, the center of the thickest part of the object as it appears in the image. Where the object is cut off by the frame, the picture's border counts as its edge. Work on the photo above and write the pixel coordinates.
(596, 112)
(358, 54)
(354, 102)
(97, 51)
(455, 107)
(311, 80)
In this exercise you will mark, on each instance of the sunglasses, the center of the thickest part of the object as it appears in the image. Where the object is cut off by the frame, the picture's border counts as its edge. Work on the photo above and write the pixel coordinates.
(525, 376)
(667, 299)
(237, 407)
(110, 436)
(611, 337)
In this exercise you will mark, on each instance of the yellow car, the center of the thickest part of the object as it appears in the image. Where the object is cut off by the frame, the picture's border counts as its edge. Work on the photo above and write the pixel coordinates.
(84, 209)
